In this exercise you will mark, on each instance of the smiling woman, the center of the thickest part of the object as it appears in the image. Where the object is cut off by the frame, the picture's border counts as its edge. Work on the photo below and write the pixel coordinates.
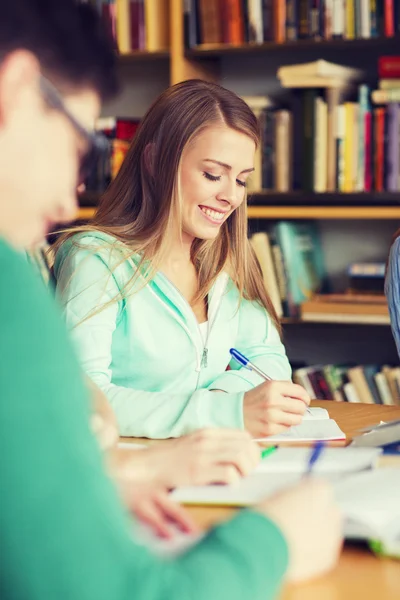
(164, 282)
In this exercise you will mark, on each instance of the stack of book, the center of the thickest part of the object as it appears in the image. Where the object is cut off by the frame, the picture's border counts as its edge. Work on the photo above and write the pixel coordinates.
(291, 262)
(371, 384)
(346, 308)
(136, 24)
(328, 138)
(120, 132)
(258, 21)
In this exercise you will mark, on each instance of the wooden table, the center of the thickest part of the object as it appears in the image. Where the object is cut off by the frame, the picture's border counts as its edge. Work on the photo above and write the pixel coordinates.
(359, 575)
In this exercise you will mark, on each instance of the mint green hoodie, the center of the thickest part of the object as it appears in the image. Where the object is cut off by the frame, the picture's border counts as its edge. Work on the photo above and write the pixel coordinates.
(146, 352)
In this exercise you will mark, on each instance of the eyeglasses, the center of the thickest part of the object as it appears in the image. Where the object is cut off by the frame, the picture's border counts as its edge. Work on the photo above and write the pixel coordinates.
(98, 145)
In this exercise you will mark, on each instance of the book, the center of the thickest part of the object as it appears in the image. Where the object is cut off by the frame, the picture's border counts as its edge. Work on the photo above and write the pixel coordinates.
(156, 17)
(262, 248)
(255, 16)
(258, 105)
(319, 68)
(303, 261)
(389, 67)
(210, 22)
(385, 96)
(232, 19)
(123, 29)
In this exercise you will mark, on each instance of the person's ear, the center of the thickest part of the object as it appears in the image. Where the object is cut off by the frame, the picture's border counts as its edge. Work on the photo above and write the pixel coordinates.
(19, 78)
(149, 158)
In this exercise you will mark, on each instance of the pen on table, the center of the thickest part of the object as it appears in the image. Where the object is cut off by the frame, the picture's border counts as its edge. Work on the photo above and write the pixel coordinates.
(247, 364)
(314, 455)
(267, 451)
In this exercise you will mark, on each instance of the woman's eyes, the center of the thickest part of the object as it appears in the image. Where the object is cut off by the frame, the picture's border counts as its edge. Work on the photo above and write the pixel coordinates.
(218, 178)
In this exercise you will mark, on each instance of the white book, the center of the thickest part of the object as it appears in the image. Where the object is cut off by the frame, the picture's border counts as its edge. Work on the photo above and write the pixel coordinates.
(365, 19)
(318, 68)
(255, 15)
(384, 389)
(350, 392)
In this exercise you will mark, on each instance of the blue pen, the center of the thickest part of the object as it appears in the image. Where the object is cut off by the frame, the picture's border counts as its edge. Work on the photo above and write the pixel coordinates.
(247, 364)
(314, 456)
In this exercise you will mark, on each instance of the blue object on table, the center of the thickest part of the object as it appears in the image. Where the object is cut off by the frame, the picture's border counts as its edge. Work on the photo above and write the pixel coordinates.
(314, 455)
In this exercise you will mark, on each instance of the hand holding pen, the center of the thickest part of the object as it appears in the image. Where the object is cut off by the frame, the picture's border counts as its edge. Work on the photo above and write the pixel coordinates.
(273, 406)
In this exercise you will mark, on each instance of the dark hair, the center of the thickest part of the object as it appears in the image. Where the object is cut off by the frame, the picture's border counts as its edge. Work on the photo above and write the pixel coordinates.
(67, 37)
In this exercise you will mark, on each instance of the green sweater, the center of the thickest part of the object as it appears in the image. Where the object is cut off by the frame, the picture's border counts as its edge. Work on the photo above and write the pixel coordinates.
(63, 531)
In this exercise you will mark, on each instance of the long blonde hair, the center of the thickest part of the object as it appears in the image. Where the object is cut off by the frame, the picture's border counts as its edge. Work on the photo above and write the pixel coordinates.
(142, 205)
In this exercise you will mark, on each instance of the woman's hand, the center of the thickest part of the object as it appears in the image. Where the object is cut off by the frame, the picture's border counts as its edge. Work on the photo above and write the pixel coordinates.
(273, 407)
(312, 525)
(205, 456)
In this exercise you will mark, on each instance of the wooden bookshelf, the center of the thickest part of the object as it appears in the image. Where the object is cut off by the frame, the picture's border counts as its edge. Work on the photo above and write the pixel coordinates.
(324, 212)
(143, 56)
(219, 50)
(286, 321)
(302, 212)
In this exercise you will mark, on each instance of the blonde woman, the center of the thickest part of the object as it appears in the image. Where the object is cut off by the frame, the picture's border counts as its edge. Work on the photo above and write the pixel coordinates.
(163, 283)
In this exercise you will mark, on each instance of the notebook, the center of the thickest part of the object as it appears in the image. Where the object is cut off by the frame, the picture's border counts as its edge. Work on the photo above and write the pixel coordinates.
(369, 501)
(309, 430)
(284, 467)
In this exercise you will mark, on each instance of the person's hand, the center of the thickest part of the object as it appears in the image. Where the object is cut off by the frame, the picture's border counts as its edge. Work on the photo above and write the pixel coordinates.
(312, 525)
(151, 505)
(103, 422)
(273, 407)
(203, 457)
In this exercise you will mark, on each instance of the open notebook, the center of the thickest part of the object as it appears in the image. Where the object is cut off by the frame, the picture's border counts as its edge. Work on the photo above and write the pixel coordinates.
(316, 425)
(369, 502)
(278, 470)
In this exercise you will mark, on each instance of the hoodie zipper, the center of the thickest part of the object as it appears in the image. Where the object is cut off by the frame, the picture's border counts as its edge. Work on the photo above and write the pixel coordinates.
(202, 357)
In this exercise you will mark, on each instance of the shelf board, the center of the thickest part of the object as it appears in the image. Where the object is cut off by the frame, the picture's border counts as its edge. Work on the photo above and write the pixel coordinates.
(143, 56)
(324, 212)
(371, 320)
(300, 199)
(301, 212)
(218, 50)
(86, 213)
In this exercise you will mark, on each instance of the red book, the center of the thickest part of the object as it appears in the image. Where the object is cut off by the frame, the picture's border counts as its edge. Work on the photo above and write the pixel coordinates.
(389, 67)
(368, 152)
(389, 18)
(232, 21)
(138, 33)
(279, 12)
(379, 147)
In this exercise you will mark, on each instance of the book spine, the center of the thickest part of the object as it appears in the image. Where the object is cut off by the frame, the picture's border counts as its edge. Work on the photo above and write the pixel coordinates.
(315, 19)
(348, 147)
(340, 151)
(268, 20)
(280, 21)
(309, 98)
(389, 18)
(256, 28)
(328, 29)
(210, 22)
(350, 20)
(363, 94)
(268, 150)
(280, 272)
(109, 18)
(379, 141)
(380, 17)
(374, 18)
(298, 136)
(232, 22)
(368, 152)
(365, 19)
(304, 19)
(291, 20)
(392, 157)
(283, 150)
(339, 19)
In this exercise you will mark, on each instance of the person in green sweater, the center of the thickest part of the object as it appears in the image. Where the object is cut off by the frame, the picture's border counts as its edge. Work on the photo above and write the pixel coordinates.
(64, 531)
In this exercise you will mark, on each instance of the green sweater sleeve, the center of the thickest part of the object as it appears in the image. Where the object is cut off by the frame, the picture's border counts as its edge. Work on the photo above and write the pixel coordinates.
(63, 531)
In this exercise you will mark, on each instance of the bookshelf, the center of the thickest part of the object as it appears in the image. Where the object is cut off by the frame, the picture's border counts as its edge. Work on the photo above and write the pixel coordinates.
(354, 226)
